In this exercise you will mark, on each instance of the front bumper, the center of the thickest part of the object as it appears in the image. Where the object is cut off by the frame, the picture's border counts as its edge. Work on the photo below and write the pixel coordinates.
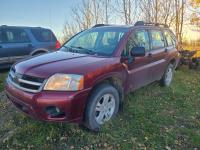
(72, 104)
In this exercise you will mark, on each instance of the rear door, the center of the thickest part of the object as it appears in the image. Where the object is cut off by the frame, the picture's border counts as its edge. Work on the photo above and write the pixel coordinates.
(45, 38)
(158, 54)
(17, 44)
(138, 68)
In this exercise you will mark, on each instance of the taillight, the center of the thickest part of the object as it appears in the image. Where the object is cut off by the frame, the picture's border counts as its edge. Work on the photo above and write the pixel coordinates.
(57, 44)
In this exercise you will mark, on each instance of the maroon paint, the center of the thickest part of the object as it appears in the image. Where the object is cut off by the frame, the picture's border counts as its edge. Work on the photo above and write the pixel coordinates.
(142, 71)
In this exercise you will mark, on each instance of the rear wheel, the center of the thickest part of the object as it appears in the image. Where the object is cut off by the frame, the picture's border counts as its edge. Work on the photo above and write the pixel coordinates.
(102, 106)
(168, 75)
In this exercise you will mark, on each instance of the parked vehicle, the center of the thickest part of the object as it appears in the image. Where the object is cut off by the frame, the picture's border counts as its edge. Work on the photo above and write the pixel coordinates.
(17, 43)
(190, 58)
(86, 80)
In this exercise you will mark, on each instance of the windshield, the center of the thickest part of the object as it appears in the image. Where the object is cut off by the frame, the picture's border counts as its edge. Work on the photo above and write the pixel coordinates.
(101, 41)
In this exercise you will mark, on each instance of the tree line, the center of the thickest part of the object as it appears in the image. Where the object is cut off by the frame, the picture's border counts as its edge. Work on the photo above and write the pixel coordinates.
(174, 13)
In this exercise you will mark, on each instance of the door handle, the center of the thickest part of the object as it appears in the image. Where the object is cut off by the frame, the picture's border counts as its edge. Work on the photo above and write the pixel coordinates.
(150, 54)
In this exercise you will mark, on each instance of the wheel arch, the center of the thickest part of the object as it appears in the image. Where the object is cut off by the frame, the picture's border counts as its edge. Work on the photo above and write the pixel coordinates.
(174, 62)
(40, 50)
(113, 80)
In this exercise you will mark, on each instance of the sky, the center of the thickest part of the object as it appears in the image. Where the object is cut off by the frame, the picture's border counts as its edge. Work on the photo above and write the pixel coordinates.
(44, 13)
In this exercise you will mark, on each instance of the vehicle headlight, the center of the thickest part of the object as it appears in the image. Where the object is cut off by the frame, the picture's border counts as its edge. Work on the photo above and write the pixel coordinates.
(64, 82)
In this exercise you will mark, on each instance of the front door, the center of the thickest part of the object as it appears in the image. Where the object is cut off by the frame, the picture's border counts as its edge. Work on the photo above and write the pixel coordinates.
(138, 68)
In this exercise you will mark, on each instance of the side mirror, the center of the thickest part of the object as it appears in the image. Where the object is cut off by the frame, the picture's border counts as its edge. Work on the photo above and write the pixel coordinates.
(138, 52)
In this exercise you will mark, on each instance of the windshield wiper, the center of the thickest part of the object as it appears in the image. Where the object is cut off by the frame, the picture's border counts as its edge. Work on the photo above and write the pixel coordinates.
(88, 51)
(70, 49)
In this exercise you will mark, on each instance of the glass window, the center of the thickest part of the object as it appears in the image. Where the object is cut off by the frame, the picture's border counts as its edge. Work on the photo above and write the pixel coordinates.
(157, 39)
(86, 41)
(137, 39)
(1, 36)
(16, 36)
(102, 41)
(43, 35)
(169, 38)
(110, 41)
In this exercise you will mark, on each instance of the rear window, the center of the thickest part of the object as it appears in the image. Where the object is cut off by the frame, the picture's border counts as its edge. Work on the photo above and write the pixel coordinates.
(43, 35)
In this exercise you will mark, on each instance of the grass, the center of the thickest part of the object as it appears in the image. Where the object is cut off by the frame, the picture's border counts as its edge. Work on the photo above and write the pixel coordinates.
(2, 79)
(153, 118)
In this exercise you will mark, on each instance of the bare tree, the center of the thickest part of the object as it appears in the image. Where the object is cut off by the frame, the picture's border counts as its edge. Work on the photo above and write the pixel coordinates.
(91, 12)
(85, 15)
(158, 11)
(127, 10)
(180, 8)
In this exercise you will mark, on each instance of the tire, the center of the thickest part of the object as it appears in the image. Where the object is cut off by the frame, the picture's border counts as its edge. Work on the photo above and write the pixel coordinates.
(168, 76)
(103, 104)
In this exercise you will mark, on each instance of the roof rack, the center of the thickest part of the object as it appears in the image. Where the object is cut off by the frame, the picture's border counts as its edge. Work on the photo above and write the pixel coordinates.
(100, 25)
(142, 23)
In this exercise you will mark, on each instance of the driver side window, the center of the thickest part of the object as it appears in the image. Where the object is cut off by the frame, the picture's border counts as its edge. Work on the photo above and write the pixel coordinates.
(138, 38)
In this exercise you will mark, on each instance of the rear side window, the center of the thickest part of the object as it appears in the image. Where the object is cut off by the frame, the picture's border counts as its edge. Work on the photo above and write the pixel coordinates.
(43, 35)
(157, 39)
(169, 38)
(16, 36)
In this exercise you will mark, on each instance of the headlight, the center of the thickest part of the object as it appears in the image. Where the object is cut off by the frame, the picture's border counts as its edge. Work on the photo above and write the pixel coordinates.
(64, 82)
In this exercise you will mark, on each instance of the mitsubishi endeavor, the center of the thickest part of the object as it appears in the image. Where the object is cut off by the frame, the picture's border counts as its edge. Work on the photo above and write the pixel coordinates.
(86, 80)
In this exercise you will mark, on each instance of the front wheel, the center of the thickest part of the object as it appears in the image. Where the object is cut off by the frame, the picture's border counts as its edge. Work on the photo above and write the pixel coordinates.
(168, 75)
(103, 105)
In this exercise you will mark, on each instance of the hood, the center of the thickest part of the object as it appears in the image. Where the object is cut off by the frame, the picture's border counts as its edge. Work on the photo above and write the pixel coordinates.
(46, 65)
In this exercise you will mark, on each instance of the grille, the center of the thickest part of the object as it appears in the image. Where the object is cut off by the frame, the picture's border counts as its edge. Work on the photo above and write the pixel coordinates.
(25, 82)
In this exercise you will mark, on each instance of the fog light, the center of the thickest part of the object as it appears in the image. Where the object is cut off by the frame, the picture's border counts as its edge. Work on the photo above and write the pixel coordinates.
(53, 111)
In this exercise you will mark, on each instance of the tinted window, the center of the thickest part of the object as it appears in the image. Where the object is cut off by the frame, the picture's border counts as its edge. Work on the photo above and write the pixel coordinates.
(43, 35)
(16, 36)
(157, 39)
(169, 38)
(137, 39)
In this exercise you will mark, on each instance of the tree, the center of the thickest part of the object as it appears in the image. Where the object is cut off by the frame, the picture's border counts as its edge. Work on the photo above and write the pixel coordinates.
(87, 14)
(158, 11)
(180, 10)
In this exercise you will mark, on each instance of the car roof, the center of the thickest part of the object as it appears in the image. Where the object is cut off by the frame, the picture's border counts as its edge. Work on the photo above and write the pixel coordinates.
(23, 27)
(138, 24)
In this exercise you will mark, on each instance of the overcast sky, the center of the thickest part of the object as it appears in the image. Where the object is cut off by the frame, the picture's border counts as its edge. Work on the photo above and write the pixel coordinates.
(45, 13)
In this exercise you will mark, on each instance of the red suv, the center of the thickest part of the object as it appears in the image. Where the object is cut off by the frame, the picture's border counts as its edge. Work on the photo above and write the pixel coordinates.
(86, 80)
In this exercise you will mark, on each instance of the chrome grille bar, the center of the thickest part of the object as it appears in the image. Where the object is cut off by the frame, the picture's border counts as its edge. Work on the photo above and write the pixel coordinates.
(26, 84)
(30, 82)
(21, 88)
